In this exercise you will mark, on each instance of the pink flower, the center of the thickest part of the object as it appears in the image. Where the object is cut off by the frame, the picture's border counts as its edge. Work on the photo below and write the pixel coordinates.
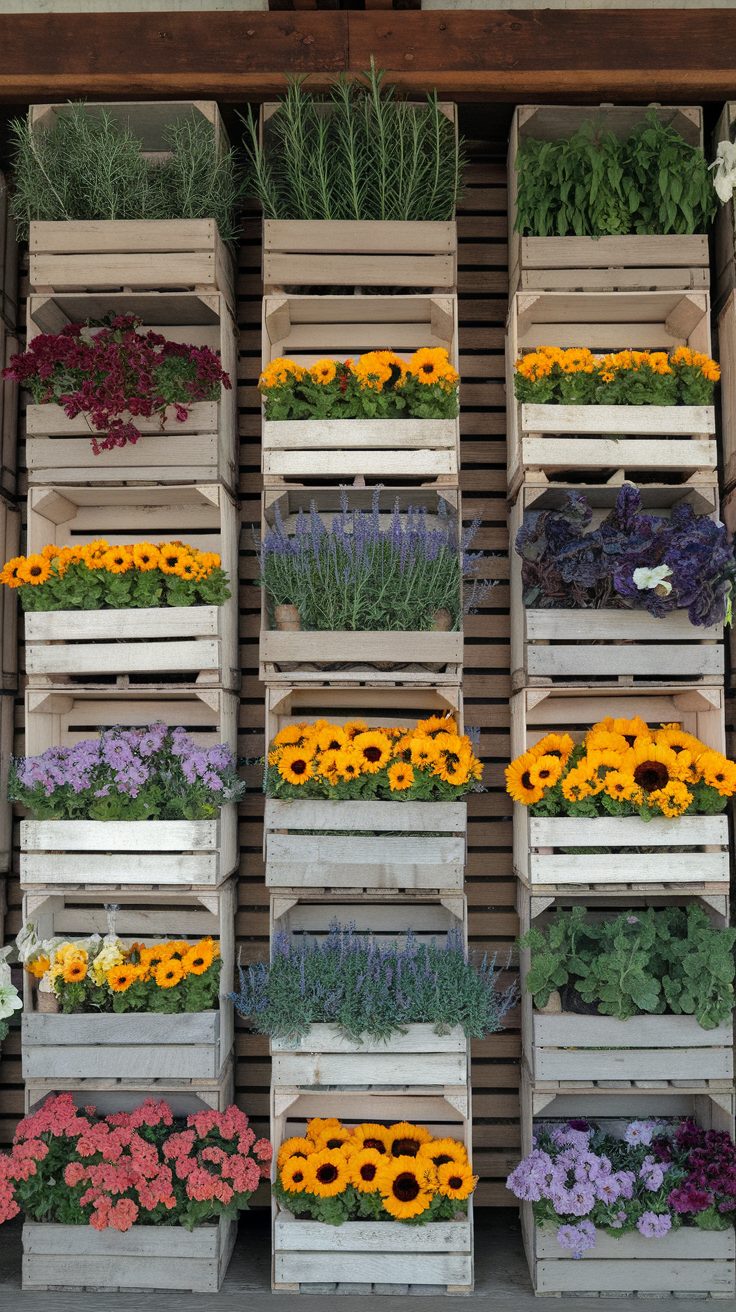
(263, 1150)
(123, 1214)
(75, 1173)
(179, 1145)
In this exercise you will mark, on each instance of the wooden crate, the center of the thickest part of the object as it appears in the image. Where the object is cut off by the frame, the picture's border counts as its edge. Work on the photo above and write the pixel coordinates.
(305, 328)
(602, 263)
(8, 414)
(377, 657)
(416, 1059)
(7, 718)
(587, 646)
(389, 917)
(8, 261)
(144, 1257)
(611, 845)
(111, 1094)
(169, 853)
(724, 231)
(726, 335)
(674, 441)
(9, 546)
(370, 1255)
(113, 645)
(109, 1045)
(203, 449)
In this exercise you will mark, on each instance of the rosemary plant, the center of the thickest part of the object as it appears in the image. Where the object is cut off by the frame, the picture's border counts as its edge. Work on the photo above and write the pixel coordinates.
(361, 153)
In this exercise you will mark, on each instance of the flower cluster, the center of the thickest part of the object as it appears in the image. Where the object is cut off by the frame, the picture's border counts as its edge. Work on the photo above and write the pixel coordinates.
(658, 1176)
(105, 974)
(116, 374)
(636, 560)
(336, 1173)
(368, 989)
(10, 1000)
(550, 375)
(76, 1167)
(100, 576)
(356, 575)
(622, 767)
(156, 773)
(432, 762)
(377, 385)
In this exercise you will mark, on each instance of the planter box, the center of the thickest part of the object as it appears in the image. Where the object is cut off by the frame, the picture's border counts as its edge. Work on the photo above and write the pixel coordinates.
(555, 438)
(340, 698)
(102, 1046)
(203, 449)
(365, 844)
(550, 646)
(686, 1261)
(399, 657)
(201, 641)
(601, 263)
(304, 328)
(371, 1254)
(144, 1257)
(419, 1058)
(595, 1049)
(9, 346)
(726, 331)
(10, 546)
(389, 918)
(347, 253)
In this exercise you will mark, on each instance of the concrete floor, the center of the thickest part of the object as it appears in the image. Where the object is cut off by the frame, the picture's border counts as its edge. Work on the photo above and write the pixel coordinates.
(502, 1282)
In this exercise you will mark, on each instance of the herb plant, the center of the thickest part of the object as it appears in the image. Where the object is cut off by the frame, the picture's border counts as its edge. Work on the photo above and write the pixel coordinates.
(359, 153)
(368, 990)
(594, 184)
(89, 166)
(670, 960)
(632, 560)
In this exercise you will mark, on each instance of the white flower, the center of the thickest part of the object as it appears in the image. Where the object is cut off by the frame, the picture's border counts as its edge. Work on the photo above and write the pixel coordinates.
(9, 1001)
(656, 578)
(724, 177)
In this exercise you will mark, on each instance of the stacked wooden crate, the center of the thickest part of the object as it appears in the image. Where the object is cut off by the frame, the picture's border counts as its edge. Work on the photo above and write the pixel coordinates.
(406, 871)
(571, 668)
(9, 521)
(90, 670)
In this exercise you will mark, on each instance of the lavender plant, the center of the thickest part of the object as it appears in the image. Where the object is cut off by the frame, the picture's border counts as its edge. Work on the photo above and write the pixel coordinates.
(368, 989)
(632, 560)
(356, 575)
(156, 773)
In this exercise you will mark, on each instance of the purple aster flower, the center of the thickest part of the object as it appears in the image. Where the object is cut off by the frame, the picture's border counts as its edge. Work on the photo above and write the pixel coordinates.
(639, 1132)
(625, 1181)
(117, 753)
(607, 1188)
(577, 1239)
(213, 781)
(524, 1184)
(653, 1225)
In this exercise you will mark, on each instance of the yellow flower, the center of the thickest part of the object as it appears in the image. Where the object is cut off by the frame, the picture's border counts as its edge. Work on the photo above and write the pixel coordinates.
(349, 763)
(456, 1180)
(400, 777)
(170, 555)
(118, 560)
(376, 368)
(38, 967)
(653, 765)
(364, 1168)
(169, 973)
(717, 772)
(120, 978)
(336, 1138)
(620, 785)
(75, 967)
(576, 785)
(436, 724)
(423, 751)
(519, 784)
(405, 1139)
(293, 1175)
(673, 799)
(326, 1173)
(374, 748)
(200, 957)
(371, 1135)
(327, 767)
(443, 1151)
(407, 1186)
(279, 372)
(331, 739)
(292, 735)
(145, 556)
(320, 1123)
(35, 569)
(554, 744)
(294, 1147)
(10, 574)
(431, 364)
(323, 372)
(629, 729)
(295, 766)
(545, 771)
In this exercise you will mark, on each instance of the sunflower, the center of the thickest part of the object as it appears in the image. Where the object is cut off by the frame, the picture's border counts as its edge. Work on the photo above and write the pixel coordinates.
(349, 764)
(187, 568)
(621, 786)
(554, 744)
(364, 1169)
(454, 756)
(352, 728)
(74, 969)
(442, 1151)
(279, 372)
(456, 1180)
(292, 1175)
(326, 1173)
(323, 372)
(407, 1186)
(331, 739)
(431, 364)
(294, 1147)
(653, 765)
(371, 1135)
(34, 570)
(677, 739)
(603, 740)
(596, 765)
(169, 973)
(199, 958)
(152, 957)
(436, 724)
(170, 556)
(327, 767)
(374, 748)
(10, 574)
(292, 735)
(673, 799)
(145, 556)
(717, 772)
(519, 784)
(92, 553)
(423, 751)
(295, 766)
(320, 1123)
(118, 560)
(336, 1138)
(576, 785)
(629, 729)
(406, 1139)
(545, 771)
(400, 777)
(120, 978)
(376, 368)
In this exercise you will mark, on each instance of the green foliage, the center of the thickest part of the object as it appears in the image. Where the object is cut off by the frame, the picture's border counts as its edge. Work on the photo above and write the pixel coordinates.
(82, 588)
(655, 961)
(361, 153)
(354, 1205)
(89, 166)
(592, 184)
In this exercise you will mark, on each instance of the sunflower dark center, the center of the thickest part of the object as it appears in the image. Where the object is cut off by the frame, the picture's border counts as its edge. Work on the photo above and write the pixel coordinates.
(405, 1147)
(544, 774)
(35, 570)
(442, 1160)
(372, 753)
(650, 775)
(298, 767)
(630, 738)
(335, 1143)
(297, 1177)
(427, 368)
(526, 780)
(368, 1171)
(171, 560)
(455, 1181)
(406, 1187)
(375, 1143)
(327, 1173)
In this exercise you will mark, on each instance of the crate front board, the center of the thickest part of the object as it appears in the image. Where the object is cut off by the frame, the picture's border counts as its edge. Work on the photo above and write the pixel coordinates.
(605, 263)
(374, 656)
(184, 1096)
(612, 846)
(144, 1257)
(202, 449)
(7, 729)
(553, 438)
(306, 1253)
(417, 1058)
(192, 1045)
(551, 646)
(165, 852)
(201, 640)
(306, 328)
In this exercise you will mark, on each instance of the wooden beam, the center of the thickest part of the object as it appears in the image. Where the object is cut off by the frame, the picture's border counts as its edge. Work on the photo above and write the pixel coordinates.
(469, 54)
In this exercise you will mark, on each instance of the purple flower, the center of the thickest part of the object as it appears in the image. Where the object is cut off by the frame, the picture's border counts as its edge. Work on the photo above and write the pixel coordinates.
(213, 781)
(607, 1188)
(654, 1225)
(116, 753)
(625, 1181)
(524, 1184)
(652, 1174)
(639, 1132)
(689, 1199)
(577, 1239)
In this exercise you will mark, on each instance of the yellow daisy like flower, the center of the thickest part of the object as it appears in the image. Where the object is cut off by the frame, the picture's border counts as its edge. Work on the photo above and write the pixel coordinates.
(35, 569)
(545, 771)
(519, 784)
(295, 766)
(323, 372)
(293, 1175)
(443, 1151)
(374, 749)
(400, 777)
(169, 973)
(431, 364)
(372, 1135)
(364, 1169)
(145, 556)
(296, 1146)
(456, 1180)
(405, 1139)
(320, 1123)
(407, 1186)
(717, 772)
(331, 739)
(326, 1173)
(673, 799)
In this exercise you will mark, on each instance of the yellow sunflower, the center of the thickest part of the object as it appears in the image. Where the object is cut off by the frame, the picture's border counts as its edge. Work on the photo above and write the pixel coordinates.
(364, 1169)
(596, 765)
(443, 1151)
(326, 1173)
(120, 978)
(10, 574)
(293, 1175)
(456, 1180)
(118, 560)
(603, 740)
(323, 372)
(170, 555)
(295, 766)
(371, 1135)
(38, 967)
(621, 786)
(407, 1186)
(406, 1139)
(436, 724)
(349, 764)
(200, 957)
(74, 969)
(169, 973)
(292, 735)
(653, 765)
(431, 364)
(545, 771)
(294, 1147)
(554, 744)
(326, 766)
(673, 798)
(145, 556)
(320, 1123)
(400, 777)
(352, 728)
(629, 729)
(331, 739)
(423, 751)
(336, 1138)
(34, 570)
(519, 784)
(717, 772)
(374, 748)
(576, 785)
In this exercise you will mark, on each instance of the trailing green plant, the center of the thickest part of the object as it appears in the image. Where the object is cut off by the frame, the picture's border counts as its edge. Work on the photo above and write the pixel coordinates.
(594, 184)
(371, 990)
(671, 960)
(359, 153)
(91, 166)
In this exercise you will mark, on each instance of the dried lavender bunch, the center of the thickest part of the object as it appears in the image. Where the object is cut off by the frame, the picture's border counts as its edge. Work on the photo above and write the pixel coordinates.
(370, 990)
(356, 575)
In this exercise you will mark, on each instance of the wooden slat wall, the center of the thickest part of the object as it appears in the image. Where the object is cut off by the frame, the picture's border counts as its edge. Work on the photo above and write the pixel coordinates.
(483, 281)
